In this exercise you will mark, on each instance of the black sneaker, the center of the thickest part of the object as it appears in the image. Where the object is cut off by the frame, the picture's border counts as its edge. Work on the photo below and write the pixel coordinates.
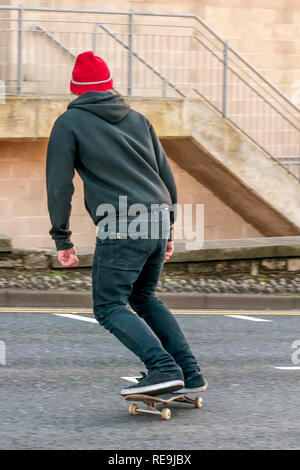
(193, 383)
(156, 383)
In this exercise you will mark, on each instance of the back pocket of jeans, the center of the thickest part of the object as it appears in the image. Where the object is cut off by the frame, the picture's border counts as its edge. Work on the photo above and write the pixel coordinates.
(122, 253)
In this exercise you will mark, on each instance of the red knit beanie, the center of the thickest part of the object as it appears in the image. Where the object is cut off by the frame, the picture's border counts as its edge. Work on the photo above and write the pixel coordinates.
(90, 73)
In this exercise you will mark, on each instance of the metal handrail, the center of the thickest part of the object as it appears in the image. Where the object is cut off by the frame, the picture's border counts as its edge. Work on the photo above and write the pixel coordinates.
(37, 27)
(231, 76)
(249, 66)
(273, 157)
(249, 86)
(140, 58)
(150, 13)
(270, 84)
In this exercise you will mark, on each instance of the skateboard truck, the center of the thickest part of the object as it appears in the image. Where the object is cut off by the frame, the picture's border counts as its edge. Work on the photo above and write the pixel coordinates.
(152, 401)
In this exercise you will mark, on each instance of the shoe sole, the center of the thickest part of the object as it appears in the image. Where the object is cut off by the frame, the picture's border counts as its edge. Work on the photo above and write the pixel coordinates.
(192, 390)
(156, 389)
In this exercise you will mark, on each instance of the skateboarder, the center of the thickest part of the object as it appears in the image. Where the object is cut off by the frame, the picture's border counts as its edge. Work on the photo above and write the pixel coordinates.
(117, 154)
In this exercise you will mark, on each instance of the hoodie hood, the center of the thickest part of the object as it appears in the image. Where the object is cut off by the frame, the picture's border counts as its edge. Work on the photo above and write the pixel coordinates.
(104, 104)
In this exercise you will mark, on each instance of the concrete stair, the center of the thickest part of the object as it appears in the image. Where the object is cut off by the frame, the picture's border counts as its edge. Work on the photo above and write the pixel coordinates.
(201, 142)
(236, 170)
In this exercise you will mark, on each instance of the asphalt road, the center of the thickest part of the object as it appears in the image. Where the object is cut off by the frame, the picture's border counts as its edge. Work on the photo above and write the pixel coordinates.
(60, 385)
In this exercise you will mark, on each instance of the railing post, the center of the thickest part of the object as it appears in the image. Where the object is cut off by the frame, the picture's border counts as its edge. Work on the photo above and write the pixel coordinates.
(164, 88)
(20, 51)
(94, 40)
(130, 49)
(225, 68)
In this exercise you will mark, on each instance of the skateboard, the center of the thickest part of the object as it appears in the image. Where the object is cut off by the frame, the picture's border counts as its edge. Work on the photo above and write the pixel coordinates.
(152, 401)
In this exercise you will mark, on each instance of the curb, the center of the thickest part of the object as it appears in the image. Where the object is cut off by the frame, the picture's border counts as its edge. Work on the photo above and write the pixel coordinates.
(38, 298)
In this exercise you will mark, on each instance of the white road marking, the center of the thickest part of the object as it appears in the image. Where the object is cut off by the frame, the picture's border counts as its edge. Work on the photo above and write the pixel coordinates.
(245, 317)
(93, 320)
(131, 379)
(175, 311)
(76, 317)
(134, 379)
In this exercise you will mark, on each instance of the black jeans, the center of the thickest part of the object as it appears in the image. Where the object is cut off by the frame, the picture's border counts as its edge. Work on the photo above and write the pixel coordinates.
(126, 271)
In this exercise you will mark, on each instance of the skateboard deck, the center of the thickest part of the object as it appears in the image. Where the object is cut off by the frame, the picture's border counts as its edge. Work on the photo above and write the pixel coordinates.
(152, 401)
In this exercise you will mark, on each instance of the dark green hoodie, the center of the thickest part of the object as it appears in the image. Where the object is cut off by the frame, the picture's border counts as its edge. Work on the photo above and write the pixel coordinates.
(115, 151)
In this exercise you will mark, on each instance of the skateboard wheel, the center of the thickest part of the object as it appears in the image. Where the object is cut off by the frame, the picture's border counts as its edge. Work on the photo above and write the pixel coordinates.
(198, 402)
(133, 409)
(165, 414)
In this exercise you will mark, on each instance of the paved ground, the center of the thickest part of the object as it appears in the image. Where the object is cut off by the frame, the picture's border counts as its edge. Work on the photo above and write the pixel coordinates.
(60, 384)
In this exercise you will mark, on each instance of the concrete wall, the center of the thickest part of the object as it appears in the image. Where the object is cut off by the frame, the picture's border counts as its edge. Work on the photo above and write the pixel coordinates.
(206, 147)
(245, 193)
(23, 205)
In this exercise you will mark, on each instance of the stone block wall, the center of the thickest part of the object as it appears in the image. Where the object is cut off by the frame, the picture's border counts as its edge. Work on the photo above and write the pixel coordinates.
(23, 205)
(279, 256)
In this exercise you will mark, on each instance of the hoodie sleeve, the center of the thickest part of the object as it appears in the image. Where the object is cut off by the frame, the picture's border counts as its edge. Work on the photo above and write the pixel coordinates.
(60, 169)
(165, 173)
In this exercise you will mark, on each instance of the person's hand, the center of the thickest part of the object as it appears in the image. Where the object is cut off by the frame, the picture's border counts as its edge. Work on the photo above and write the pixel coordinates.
(169, 251)
(68, 258)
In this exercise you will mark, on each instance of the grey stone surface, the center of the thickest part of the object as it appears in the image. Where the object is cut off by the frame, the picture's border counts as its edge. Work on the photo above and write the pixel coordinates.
(213, 250)
(31, 251)
(273, 264)
(5, 243)
(36, 261)
(216, 255)
(293, 264)
(84, 253)
(10, 262)
(260, 247)
(73, 279)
